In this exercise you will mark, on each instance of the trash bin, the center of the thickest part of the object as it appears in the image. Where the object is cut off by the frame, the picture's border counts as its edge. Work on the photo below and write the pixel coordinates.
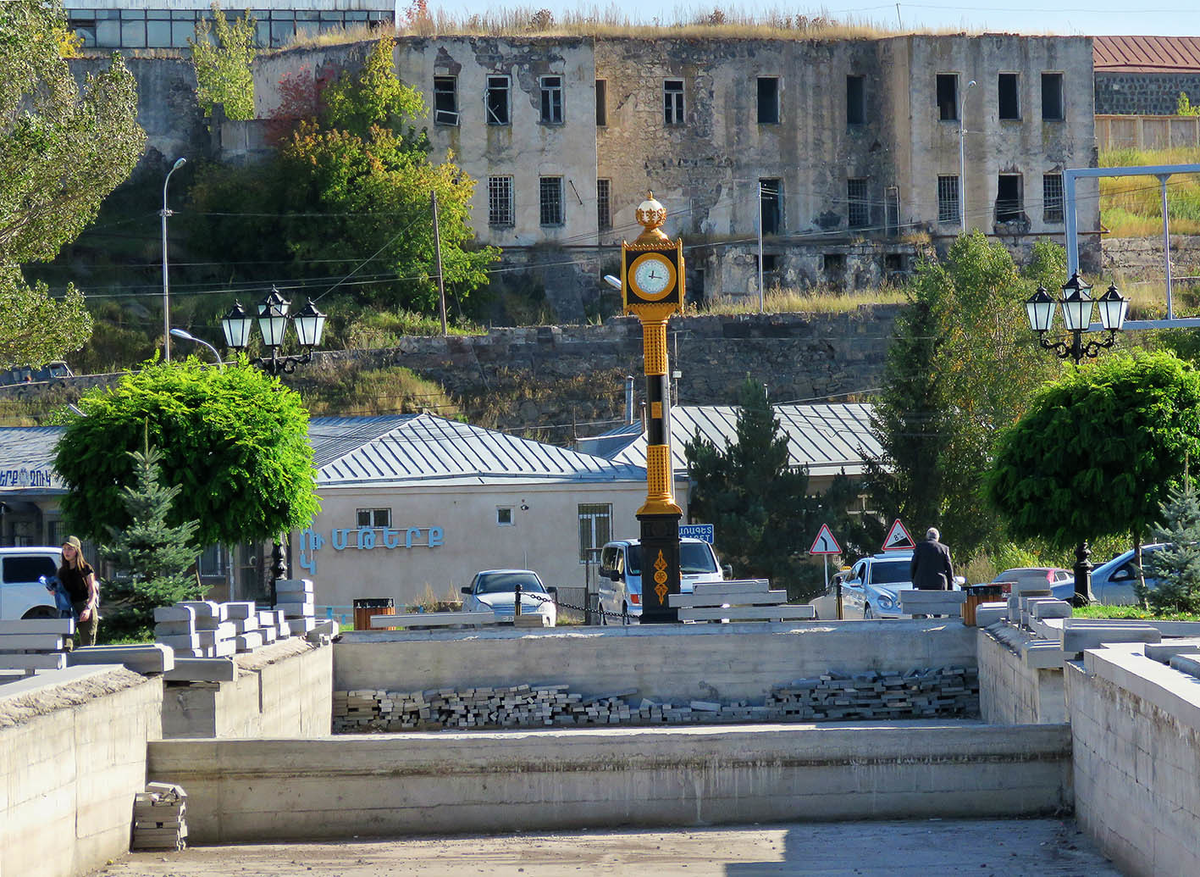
(977, 594)
(367, 607)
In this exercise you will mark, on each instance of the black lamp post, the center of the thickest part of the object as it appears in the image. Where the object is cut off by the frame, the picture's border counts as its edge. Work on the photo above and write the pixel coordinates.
(1076, 304)
(273, 320)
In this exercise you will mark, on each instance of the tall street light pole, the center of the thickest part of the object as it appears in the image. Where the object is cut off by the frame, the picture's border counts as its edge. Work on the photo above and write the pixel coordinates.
(962, 163)
(179, 162)
(188, 336)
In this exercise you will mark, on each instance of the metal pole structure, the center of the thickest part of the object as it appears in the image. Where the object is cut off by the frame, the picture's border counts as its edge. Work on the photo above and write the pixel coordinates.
(188, 336)
(962, 160)
(180, 162)
(437, 249)
(762, 305)
(1162, 183)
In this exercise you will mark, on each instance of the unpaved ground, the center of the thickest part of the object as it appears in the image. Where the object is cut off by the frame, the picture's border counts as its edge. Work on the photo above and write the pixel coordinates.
(926, 848)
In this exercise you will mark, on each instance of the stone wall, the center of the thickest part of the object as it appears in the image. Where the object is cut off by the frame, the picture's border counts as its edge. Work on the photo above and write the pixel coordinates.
(1144, 94)
(1013, 693)
(1143, 257)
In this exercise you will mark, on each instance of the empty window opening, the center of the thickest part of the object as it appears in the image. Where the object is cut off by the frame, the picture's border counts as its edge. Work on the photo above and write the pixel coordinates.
(445, 100)
(550, 200)
(891, 209)
(768, 100)
(856, 100)
(947, 96)
(770, 195)
(500, 201)
(947, 195)
(770, 263)
(497, 100)
(673, 101)
(1009, 96)
(1052, 97)
(552, 100)
(1052, 198)
(601, 103)
(833, 263)
(603, 210)
(1008, 198)
(895, 262)
(858, 208)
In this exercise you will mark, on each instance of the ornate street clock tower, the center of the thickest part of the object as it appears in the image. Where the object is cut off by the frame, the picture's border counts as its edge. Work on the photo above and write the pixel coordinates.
(653, 289)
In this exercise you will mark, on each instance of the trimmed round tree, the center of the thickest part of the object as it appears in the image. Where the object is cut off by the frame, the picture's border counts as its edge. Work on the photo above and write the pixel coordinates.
(235, 441)
(1099, 450)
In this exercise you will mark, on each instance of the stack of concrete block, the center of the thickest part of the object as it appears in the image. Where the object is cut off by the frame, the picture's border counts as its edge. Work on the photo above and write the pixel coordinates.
(195, 628)
(160, 818)
(295, 597)
(34, 644)
(151, 658)
(928, 693)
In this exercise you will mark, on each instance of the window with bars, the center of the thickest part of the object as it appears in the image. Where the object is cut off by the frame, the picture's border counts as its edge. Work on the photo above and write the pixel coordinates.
(550, 200)
(496, 100)
(375, 518)
(500, 202)
(858, 208)
(445, 100)
(1052, 198)
(595, 527)
(552, 100)
(947, 195)
(603, 211)
(673, 101)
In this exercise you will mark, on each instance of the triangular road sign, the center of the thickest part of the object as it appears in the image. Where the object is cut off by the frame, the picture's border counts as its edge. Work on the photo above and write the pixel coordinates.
(825, 543)
(898, 539)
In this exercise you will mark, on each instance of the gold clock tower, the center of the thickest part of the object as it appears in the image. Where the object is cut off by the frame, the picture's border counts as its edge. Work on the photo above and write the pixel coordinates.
(652, 286)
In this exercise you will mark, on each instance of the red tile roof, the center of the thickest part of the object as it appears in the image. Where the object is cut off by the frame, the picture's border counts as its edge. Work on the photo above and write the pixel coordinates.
(1145, 54)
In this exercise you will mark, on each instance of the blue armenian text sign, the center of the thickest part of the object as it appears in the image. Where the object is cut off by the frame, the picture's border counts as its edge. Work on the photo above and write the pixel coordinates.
(366, 539)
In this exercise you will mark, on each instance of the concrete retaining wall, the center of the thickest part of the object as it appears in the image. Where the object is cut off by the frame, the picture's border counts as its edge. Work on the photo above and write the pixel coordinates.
(389, 785)
(1010, 692)
(1135, 726)
(72, 756)
(723, 663)
(284, 690)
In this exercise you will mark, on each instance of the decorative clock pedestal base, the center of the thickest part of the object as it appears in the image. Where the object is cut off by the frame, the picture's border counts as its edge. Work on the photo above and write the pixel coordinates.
(660, 567)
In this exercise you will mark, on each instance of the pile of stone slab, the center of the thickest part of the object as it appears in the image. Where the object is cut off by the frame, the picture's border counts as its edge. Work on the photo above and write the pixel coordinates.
(204, 629)
(938, 692)
(159, 818)
(33, 644)
(295, 599)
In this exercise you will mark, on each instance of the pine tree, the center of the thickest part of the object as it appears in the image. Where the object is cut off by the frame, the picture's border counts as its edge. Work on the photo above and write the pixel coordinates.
(1177, 567)
(154, 558)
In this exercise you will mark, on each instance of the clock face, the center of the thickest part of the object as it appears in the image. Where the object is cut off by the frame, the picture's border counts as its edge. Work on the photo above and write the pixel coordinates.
(652, 276)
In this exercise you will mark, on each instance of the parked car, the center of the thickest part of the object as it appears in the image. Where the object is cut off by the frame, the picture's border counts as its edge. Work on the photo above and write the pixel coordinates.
(25, 374)
(21, 594)
(496, 590)
(872, 590)
(825, 606)
(620, 584)
(1113, 583)
(1060, 582)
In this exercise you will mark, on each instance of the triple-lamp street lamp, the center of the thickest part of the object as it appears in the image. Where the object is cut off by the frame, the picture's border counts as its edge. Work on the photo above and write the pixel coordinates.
(1076, 304)
(273, 320)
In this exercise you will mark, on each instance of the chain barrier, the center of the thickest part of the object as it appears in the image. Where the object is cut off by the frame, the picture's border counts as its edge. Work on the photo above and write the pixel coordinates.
(624, 617)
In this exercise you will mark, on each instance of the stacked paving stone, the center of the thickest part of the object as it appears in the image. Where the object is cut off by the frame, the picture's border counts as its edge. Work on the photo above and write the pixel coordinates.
(204, 629)
(159, 818)
(33, 644)
(295, 598)
(831, 697)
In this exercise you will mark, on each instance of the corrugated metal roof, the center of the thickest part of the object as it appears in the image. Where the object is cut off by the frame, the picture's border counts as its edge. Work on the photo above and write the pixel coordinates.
(1145, 54)
(826, 438)
(421, 447)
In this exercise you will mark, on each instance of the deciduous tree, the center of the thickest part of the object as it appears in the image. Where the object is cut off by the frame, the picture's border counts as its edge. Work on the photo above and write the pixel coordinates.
(222, 56)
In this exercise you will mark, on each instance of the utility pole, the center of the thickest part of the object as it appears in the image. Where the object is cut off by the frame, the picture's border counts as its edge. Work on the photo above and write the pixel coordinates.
(437, 248)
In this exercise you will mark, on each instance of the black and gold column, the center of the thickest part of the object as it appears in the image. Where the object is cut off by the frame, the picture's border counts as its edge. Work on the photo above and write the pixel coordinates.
(653, 289)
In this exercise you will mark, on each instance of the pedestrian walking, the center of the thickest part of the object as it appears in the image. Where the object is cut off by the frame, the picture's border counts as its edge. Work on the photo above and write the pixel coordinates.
(931, 568)
(78, 577)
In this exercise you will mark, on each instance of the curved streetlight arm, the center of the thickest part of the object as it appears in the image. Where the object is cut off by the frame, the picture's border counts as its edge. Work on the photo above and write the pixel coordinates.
(188, 336)
(164, 213)
(1077, 349)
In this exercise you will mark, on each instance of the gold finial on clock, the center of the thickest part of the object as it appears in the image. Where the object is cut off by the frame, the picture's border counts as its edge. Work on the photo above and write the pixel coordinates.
(650, 214)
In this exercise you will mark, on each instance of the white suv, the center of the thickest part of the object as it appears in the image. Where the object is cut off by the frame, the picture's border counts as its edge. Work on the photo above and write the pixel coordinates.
(21, 594)
(620, 581)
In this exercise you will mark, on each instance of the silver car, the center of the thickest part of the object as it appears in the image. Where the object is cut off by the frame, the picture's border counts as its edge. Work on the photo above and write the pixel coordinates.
(496, 590)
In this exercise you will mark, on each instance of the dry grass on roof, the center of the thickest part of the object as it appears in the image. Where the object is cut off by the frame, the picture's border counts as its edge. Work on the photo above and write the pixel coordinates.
(611, 22)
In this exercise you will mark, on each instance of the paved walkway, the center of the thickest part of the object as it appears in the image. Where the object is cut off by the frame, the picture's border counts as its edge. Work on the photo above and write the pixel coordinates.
(926, 848)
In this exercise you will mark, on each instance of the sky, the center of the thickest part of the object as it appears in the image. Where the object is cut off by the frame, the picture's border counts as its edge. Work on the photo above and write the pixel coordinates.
(1165, 17)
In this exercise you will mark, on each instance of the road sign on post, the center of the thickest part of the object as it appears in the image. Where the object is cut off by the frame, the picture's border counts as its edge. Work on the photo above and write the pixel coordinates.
(898, 539)
(825, 543)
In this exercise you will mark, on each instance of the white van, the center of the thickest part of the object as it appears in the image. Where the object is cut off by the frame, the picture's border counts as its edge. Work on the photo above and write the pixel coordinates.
(21, 594)
(621, 572)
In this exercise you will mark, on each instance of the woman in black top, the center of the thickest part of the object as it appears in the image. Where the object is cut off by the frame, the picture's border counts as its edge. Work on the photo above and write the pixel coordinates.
(79, 579)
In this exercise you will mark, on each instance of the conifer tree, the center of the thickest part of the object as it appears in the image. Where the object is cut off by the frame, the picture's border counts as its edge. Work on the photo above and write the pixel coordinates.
(1177, 567)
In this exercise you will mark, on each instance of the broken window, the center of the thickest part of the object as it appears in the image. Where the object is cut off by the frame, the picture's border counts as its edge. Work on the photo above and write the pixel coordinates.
(947, 195)
(1052, 97)
(601, 103)
(856, 100)
(858, 208)
(552, 100)
(768, 100)
(1008, 198)
(1052, 198)
(445, 100)
(497, 100)
(1009, 97)
(770, 200)
(947, 96)
(673, 101)
(550, 200)
(891, 209)
(603, 211)
(500, 201)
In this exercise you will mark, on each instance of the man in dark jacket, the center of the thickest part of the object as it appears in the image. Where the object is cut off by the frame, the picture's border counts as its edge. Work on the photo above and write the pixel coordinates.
(931, 569)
